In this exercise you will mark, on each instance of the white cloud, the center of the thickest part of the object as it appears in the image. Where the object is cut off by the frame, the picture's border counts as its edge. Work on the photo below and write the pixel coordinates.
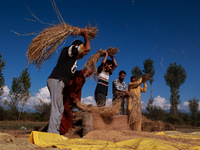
(143, 105)
(5, 95)
(185, 104)
(91, 100)
(6, 90)
(108, 101)
(43, 94)
(161, 102)
(88, 100)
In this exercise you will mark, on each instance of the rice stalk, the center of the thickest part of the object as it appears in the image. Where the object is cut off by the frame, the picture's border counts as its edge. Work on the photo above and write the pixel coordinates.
(46, 43)
(94, 58)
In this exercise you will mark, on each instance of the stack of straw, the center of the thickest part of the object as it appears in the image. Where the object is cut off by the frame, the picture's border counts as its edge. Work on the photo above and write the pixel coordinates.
(45, 44)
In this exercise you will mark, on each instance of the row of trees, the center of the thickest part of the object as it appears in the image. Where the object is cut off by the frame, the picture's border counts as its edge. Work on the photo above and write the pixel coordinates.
(19, 95)
(175, 76)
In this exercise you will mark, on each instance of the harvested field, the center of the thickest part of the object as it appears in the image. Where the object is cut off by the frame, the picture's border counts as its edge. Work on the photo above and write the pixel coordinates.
(14, 136)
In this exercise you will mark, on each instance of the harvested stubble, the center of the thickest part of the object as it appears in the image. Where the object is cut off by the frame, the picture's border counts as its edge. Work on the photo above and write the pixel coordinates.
(46, 43)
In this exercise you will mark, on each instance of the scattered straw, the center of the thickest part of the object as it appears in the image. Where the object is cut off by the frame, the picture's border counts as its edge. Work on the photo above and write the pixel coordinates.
(107, 111)
(73, 132)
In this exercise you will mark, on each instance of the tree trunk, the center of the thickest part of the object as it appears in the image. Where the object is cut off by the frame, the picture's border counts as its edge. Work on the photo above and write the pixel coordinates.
(20, 110)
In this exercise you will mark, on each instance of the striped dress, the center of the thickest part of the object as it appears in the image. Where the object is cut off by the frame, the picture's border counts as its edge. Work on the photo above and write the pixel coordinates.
(102, 85)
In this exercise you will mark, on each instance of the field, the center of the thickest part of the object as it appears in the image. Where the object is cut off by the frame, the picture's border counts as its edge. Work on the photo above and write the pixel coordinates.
(15, 135)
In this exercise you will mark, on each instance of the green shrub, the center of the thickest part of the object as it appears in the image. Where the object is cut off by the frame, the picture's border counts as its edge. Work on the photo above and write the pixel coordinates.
(174, 120)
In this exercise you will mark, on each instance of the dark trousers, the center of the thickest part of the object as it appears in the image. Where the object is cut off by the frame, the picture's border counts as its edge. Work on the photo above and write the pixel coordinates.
(100, 99)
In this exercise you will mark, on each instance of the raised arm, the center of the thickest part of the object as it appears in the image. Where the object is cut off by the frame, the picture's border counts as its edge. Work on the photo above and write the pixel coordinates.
(115, 62)
(103, 61)
(135, 84)
(87, 46)
(145, 87)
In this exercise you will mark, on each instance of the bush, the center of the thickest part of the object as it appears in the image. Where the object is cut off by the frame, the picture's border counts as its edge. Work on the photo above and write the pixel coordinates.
(174, 120)
(156, 113)
(2, 114)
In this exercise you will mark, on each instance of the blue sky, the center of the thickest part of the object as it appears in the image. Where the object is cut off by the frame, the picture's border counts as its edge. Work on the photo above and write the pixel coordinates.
(166, 31)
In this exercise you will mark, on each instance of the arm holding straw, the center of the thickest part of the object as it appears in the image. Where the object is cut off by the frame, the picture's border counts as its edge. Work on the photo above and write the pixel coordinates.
(87, 41)
(115, 62)
(145, 87)
(136, 83)
(104, 60)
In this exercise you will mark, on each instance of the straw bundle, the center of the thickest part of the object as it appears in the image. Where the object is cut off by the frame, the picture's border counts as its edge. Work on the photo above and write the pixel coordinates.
(46, 43)
(94, 58)
(146, 77)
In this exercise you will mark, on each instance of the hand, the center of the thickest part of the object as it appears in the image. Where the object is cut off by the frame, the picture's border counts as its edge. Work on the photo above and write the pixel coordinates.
(127, 93)
(75, 101)
(84, 32)
(105, 53)
(145, 78)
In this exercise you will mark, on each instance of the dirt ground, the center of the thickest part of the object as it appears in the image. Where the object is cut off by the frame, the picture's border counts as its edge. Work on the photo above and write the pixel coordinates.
(15, 135)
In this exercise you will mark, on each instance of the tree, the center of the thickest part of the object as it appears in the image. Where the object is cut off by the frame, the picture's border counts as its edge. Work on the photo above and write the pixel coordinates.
(174, 78)
(19, 93)
(2, 80)
(149, 69)
(136, 71)
(14, 95)
(25, 84)
(156, 113)
(193, 107)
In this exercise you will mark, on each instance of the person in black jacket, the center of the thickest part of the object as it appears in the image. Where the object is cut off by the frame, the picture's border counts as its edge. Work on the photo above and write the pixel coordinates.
(62, 75)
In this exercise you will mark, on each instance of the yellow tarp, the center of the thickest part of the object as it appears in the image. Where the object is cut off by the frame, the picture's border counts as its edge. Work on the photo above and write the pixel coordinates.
(43, 139)
(175, 134)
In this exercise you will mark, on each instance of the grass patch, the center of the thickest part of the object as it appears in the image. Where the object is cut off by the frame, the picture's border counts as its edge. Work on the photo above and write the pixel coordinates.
(20, 125)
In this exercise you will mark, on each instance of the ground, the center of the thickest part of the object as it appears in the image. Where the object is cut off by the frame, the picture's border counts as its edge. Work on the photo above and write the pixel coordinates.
(15, 135)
